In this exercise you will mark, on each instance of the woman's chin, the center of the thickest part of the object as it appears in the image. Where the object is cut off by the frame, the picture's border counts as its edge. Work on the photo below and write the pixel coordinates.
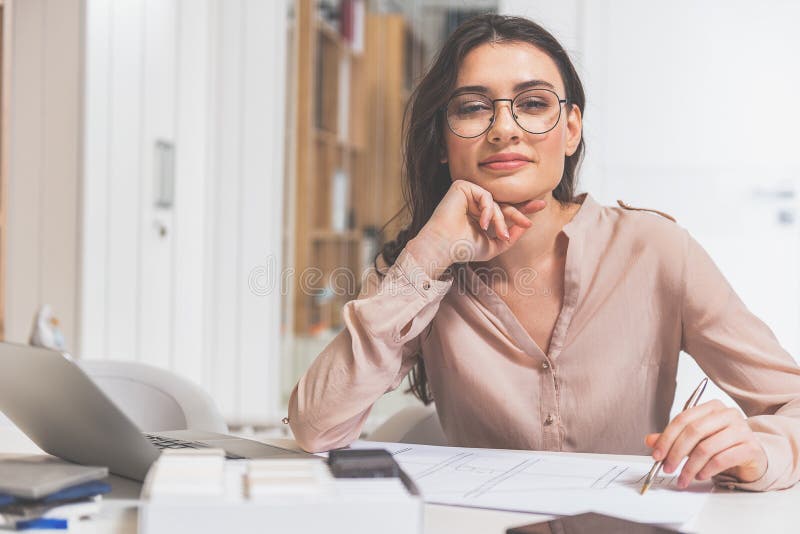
(512, 190)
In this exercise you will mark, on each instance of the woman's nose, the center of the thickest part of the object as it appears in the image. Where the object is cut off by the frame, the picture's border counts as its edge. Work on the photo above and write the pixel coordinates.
(504, 127)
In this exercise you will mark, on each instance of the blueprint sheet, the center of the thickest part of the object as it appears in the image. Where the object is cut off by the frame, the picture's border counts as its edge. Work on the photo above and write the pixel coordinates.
(556, 484)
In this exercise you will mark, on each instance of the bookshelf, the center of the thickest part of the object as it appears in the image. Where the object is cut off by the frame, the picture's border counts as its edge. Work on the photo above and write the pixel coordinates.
(394, 56)
(351, 88)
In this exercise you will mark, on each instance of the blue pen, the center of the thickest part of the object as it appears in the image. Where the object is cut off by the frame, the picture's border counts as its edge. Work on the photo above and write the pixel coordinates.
(49, 523)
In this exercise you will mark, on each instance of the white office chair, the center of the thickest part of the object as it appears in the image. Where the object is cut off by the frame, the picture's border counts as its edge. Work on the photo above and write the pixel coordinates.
(413, 424)
(5, 421)
(155, 399)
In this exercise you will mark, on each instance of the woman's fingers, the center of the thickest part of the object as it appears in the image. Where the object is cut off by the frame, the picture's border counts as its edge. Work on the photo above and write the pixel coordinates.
(650, 439)
(746, 461)
(695, 432)
(531, 206)
(486, 205)
(479, 201)
(515, 220)
(663, 446)
(515, 232)
(714, 438)
(707, 449)
(500, 226)
(495, 218)
(514, 216)
(486, 217)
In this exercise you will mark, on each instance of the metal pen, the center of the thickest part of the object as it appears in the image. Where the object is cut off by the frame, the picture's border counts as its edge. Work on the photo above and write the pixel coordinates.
(693, 400)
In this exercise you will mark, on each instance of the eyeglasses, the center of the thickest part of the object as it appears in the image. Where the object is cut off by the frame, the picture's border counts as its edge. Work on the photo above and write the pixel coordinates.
(536, 111)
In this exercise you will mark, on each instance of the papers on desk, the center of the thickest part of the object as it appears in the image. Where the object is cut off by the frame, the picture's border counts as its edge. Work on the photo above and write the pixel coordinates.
(525, 481)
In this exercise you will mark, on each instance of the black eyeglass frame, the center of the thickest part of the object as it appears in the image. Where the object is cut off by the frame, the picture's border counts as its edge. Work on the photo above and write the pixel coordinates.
(494, 114)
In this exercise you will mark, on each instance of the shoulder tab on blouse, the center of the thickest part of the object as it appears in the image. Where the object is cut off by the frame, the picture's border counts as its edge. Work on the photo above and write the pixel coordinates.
(629, 207)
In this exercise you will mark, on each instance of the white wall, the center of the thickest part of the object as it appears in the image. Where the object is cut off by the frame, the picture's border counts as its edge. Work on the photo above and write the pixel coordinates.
(43, 162)
(562, 19)
(246, 213)
(170, 286)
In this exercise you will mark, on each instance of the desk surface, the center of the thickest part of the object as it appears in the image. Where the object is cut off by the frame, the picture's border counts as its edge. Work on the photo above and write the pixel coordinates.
(725, 512)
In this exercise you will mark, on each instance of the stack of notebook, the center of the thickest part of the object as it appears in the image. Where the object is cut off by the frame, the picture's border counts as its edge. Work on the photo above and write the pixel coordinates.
(44, 492)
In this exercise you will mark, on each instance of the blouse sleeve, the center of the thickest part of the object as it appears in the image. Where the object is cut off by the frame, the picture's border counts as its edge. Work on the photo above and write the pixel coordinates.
(371, 356)
(742, 356)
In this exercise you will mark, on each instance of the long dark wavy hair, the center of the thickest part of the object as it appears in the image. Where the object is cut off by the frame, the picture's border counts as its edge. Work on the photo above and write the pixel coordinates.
(425, 178)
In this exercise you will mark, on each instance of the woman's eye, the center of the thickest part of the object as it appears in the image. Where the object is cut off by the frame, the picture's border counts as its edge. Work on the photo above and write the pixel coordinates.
(532, 105)
(473, 107)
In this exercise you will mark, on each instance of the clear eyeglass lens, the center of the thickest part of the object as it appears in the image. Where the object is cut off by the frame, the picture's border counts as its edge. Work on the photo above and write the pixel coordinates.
(470, 114)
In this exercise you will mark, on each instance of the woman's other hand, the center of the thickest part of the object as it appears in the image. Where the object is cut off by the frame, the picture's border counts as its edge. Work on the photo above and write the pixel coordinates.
(468, 225)
(716, 438)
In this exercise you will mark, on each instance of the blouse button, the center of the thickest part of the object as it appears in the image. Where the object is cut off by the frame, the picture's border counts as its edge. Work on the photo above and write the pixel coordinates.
(426, 285)
(545, 365)
(549, 420)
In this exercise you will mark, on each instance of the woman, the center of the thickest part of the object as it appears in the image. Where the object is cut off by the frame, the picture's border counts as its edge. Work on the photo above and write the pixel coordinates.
(538, 319)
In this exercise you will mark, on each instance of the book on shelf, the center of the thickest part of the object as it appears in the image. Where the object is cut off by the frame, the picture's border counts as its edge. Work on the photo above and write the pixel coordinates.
(352, 15)
(319, 89)
(343, 104)
(346, 20)
(340, 200)
(329, 11)
(359, 19)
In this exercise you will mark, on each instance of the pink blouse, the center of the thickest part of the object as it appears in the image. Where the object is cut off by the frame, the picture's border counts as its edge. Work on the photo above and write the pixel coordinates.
(638, 289)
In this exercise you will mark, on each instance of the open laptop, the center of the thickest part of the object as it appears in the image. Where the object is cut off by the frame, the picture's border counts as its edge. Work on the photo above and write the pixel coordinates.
(51, 399)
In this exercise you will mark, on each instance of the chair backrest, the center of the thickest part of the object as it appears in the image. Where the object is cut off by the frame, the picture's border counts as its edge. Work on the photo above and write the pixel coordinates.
(5, 421)
(155, 399)
(413, 424)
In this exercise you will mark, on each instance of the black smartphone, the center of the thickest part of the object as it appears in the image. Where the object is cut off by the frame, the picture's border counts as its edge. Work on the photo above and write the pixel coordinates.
(368, 463)
(590, 522)
(362, 463)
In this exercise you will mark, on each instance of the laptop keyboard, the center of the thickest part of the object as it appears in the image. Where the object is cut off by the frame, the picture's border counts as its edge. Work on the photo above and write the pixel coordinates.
(163, 442)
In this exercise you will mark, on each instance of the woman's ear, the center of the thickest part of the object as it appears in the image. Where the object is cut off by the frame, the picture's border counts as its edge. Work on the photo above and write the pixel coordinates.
(574, 130)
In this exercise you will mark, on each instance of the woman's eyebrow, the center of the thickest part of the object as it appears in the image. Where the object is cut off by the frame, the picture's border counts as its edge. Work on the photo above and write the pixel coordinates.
(519, 87)
(534, 83)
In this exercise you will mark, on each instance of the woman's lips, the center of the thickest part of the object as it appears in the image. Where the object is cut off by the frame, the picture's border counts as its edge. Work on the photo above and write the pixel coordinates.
(507, 165)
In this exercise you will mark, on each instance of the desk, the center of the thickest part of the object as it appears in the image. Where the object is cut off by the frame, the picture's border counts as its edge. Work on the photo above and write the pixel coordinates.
(725, 512)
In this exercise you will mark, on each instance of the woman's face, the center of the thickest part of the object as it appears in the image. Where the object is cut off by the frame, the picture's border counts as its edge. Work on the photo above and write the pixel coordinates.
(501, 69)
